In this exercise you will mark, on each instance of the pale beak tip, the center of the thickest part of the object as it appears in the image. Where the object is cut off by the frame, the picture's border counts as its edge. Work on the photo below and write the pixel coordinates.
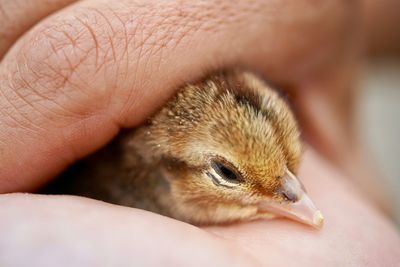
(299, 206)
(318, 219)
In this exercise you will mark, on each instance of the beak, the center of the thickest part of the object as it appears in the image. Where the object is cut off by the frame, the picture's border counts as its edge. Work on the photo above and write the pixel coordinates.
(298, 206)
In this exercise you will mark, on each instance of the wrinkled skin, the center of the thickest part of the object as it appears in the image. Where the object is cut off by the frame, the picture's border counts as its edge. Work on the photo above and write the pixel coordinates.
(72, 81)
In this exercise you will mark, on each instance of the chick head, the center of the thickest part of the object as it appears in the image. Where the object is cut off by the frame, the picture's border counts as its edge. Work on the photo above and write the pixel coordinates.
(229, 147)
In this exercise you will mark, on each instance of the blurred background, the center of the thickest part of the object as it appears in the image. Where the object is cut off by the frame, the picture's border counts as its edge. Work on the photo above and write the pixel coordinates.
(378, 115)
(378, 107)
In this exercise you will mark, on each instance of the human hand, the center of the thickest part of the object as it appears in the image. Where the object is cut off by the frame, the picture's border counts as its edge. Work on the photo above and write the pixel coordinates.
(69, 84)
(74, 231)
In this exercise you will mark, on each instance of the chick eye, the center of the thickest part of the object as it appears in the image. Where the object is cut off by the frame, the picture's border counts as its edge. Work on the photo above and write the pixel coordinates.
(225, 172)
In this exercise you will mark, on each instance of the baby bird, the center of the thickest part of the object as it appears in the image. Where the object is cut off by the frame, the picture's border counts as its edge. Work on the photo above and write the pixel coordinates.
(222, 150)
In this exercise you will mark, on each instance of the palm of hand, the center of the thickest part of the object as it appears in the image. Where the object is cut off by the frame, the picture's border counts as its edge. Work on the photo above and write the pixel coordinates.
(85, 232)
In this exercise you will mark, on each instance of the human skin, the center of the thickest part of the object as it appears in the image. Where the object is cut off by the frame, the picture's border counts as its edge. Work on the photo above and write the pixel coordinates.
(74, 231)
(381, 21)
(73, 81)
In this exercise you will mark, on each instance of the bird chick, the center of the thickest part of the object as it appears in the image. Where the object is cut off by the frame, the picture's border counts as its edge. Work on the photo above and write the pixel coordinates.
(222, 150)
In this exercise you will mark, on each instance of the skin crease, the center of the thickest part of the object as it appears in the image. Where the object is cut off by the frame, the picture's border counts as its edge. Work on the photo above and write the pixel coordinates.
(14, 19)
(101, 59)
(73, 80)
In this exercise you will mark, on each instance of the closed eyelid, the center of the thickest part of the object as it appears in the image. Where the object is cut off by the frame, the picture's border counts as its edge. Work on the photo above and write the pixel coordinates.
(218, 182)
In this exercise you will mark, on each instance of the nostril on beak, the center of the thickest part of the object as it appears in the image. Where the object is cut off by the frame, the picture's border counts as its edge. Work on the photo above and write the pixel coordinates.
(290, 196)
(291, 188)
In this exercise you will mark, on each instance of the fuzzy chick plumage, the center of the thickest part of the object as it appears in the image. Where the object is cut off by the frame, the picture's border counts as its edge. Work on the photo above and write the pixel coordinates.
(221, 150)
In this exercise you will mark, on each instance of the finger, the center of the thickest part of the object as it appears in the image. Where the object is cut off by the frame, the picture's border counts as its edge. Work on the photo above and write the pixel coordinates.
(77, 229)
(381, 25)
(18, 16)
(329, 121)
(71, 82)
(61, 232)
(349, 219)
